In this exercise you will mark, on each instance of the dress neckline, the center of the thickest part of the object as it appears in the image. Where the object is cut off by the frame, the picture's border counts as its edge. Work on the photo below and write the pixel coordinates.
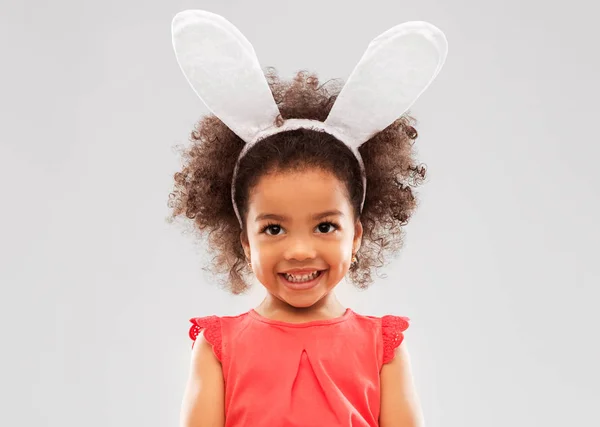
(254, 314)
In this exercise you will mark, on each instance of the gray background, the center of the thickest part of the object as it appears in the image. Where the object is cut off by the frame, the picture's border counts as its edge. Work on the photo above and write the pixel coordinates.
(500, 269)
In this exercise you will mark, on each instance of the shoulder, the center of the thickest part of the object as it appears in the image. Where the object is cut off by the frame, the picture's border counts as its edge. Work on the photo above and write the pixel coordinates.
(203, 354)
(210, 329)
(386, 321)
(212, 322)
(390, 330)
(392, 333)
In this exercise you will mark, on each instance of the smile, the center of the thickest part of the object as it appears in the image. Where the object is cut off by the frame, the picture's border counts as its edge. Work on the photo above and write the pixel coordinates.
(296, 284)
(301, 278)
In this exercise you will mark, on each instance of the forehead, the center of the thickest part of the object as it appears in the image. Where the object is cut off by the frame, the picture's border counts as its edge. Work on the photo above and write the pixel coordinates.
(298, 194)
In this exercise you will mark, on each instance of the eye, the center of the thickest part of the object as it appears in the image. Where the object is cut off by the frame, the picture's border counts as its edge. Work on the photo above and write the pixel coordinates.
(324, 228)
(271, 226)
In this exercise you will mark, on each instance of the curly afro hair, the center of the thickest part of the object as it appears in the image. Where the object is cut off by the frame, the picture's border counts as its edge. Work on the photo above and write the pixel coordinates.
(202, 189)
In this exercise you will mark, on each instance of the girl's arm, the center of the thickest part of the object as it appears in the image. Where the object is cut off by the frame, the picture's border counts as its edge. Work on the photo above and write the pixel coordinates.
(400, 406)
(204, 398)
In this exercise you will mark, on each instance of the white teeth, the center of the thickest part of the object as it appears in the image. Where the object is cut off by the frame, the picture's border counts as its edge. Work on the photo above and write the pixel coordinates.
(304, 278)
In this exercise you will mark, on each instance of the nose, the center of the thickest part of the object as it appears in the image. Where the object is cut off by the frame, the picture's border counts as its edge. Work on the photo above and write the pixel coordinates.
(300, 248)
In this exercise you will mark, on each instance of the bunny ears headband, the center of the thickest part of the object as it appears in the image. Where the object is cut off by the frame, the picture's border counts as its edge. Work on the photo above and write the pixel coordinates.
(221, 66)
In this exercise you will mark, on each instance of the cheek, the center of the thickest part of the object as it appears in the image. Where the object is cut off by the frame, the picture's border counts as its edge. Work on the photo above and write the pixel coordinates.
(338, 255)
(264, 257)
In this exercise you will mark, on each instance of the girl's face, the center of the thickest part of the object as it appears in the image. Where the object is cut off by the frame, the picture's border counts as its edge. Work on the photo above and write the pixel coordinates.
(300, 220)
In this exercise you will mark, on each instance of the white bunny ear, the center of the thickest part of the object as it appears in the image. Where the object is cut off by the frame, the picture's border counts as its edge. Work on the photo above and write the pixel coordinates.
(394, 71)
(222, 67)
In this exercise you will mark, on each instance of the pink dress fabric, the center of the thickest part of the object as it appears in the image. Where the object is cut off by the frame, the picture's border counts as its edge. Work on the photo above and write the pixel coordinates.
(319, 373)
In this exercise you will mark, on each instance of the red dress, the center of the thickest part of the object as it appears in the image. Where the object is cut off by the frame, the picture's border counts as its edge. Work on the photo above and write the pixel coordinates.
(322, 373)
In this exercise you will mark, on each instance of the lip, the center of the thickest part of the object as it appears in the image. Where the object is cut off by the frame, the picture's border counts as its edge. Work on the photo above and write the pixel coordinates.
(302, 270)
(302, 286)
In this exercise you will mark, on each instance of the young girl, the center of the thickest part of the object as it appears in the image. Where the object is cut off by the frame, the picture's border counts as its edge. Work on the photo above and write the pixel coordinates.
(300, 184)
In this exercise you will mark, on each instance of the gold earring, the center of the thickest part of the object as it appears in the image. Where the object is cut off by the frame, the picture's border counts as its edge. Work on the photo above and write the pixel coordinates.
(354, 260)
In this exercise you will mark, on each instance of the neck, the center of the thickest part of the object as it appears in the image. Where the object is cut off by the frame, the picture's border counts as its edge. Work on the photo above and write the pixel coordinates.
(327, 307)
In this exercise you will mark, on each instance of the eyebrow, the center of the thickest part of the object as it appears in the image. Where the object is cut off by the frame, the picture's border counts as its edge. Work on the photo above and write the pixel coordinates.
(284, 218)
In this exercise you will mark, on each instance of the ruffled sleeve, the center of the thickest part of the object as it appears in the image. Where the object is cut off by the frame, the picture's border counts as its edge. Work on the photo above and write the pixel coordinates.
(391, 330)
(212, 332)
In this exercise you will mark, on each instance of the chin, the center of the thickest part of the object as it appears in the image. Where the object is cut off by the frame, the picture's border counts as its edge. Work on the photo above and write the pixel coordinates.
(303, 303)
(303, 300)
